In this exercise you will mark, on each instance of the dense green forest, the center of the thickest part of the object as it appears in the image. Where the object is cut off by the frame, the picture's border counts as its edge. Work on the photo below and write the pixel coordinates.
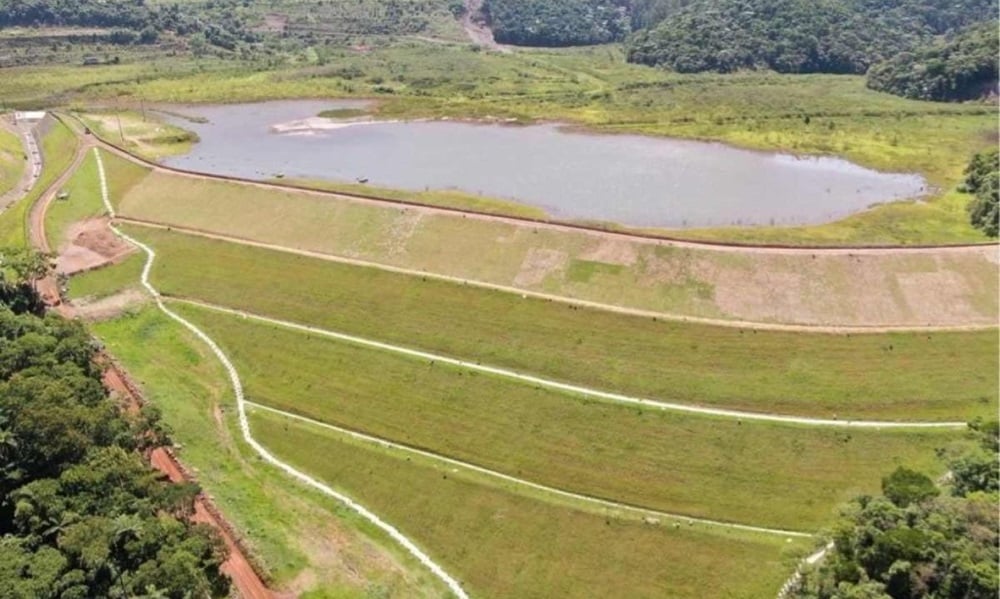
(574, 22)
(135, 21)
(81, 514)
(982, 178)
(646, 13)
(915, 541)
(961, 68)
(562, 23)
(798, 36)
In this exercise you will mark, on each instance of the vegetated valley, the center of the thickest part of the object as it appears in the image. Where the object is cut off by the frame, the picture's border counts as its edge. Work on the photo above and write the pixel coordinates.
(289, 382)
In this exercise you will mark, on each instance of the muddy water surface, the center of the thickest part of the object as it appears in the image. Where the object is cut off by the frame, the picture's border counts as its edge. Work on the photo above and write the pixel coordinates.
(628, 179)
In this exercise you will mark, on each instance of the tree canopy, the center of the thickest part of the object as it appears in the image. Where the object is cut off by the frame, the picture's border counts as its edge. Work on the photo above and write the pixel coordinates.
(81, 514)
(798, 36)
(134, 21)
(560, 23)
(915, 542)
(963, 67)
(982, 179)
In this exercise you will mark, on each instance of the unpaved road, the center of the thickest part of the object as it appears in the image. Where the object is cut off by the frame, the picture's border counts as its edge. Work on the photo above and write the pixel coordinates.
(36, 216)
(248, 584)
(478, 31)
(48, 287)
(246, 581)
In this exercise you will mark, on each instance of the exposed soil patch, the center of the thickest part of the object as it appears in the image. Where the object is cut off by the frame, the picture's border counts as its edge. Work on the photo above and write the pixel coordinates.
(612, 251)
(941, 295)
(90, 244)
(539, 264)
(476, 27)
(246, 582)
(111, 306)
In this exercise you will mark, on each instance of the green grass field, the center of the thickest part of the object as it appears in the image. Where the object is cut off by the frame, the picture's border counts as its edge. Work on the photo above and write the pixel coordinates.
(502, 545)
(103, 282)
(12, 161)
(84, 202)
(58, 148)
(140, 132)
(751, 473)
(873, 289)
(497, 542)
(499, 539)
(949, 376)
(304, 542)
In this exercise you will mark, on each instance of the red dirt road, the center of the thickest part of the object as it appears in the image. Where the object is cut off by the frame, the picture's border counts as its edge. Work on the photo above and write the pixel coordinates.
(246, 581)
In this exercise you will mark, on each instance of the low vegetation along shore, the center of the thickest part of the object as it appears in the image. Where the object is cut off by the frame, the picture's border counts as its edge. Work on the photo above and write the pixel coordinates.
(808, 114)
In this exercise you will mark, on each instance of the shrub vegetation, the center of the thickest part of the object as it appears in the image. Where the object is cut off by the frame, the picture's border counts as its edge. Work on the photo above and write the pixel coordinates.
(982, 178)
(914, 543)
(962, 68)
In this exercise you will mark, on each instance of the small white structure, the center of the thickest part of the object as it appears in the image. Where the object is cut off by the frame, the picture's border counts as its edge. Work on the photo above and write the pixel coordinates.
(28, 117)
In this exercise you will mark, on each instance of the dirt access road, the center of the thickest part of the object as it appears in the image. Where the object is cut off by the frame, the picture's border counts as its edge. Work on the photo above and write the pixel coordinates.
(477, 30)
(48, 287)
(248, 584)
(246, 581)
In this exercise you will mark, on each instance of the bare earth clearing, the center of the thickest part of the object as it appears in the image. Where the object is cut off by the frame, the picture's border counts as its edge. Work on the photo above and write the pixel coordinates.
(90, 244)
(478, 31)
(109, 307)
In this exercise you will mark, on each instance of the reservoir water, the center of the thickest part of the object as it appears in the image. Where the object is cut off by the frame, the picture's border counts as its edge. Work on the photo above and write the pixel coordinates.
(628, 179)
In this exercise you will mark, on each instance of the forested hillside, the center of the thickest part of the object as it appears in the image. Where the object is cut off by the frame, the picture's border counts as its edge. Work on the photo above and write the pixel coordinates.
(961, 68)
(646, 13)
(798, 36)
(235, 24)
(134, 20)
(81, 514)
(558, 23)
